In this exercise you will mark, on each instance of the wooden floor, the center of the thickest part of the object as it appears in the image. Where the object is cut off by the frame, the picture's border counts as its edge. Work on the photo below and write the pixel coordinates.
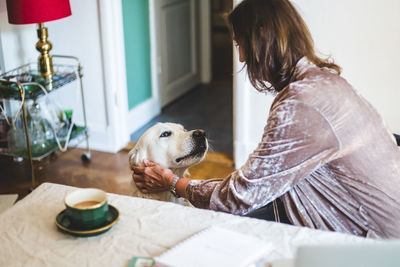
(107, 171)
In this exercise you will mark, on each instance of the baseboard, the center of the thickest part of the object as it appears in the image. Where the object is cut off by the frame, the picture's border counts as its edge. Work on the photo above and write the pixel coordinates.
(142, 114)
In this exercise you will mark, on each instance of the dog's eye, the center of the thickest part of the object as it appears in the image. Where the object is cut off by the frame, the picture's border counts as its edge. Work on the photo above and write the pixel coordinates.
(166, 134)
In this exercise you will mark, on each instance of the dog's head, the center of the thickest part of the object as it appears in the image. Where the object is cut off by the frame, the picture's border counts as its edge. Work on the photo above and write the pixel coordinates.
(171, 146)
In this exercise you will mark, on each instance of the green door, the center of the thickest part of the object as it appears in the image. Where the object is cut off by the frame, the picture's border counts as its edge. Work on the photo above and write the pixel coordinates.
(137, 50)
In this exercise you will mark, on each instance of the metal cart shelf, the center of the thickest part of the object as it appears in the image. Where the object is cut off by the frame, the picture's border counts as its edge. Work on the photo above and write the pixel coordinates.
(25, 83)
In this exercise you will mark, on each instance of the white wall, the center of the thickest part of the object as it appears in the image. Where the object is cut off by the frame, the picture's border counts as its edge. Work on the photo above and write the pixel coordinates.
(363, 36)
(250, 114)
(86, 35)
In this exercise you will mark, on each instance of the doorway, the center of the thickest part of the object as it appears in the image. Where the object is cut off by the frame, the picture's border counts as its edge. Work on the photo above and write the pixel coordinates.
(222, 48)
(208, 106)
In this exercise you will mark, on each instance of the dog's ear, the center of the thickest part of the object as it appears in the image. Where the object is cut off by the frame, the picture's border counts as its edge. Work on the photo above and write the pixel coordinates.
(135, 156)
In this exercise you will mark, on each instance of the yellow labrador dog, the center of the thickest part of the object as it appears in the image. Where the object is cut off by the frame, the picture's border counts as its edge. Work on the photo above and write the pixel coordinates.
(171, 146)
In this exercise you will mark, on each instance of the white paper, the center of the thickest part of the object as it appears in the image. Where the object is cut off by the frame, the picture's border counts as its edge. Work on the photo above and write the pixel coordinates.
(216, 246)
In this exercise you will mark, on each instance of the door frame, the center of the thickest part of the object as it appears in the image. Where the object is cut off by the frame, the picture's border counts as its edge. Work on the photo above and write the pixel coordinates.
(114, 71)
(123, 122)
(150, 108)
(204, 47)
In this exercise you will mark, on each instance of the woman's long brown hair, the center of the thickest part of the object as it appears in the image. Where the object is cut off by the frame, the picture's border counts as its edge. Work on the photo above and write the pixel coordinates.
(273, 37)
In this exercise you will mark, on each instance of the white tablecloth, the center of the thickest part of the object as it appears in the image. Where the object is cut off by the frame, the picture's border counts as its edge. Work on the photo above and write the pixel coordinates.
(29, 236)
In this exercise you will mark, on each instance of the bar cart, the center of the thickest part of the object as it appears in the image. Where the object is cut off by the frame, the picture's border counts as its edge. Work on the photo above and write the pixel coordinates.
(26, 130)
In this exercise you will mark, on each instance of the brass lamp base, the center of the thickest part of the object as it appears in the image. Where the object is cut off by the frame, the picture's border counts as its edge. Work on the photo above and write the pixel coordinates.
(45, 61)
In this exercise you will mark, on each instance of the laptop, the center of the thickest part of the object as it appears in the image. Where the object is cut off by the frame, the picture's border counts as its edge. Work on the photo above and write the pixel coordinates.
(381, 254)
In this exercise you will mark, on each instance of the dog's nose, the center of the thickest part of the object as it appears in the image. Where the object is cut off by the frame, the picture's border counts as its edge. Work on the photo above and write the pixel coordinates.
(199, 133)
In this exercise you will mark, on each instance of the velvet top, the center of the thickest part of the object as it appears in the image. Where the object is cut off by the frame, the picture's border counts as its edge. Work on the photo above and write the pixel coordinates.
(326, 153)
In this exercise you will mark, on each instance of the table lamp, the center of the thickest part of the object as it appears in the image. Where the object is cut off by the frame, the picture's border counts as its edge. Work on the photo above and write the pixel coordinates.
(39, 11)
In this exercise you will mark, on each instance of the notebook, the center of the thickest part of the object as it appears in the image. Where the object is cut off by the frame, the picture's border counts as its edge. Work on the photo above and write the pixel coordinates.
(215, 246)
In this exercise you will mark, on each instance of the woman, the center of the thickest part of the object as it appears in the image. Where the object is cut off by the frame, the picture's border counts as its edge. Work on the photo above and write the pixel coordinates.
(325, 152)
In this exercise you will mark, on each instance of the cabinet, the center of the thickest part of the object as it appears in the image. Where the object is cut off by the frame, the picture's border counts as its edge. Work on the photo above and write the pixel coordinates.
(32, 125)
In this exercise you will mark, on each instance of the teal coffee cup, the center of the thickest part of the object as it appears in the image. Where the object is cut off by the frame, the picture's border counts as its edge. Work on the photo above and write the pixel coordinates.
(87, 208)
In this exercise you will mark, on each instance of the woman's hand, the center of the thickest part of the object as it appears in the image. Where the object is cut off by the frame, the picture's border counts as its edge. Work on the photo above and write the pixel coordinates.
(152, 178)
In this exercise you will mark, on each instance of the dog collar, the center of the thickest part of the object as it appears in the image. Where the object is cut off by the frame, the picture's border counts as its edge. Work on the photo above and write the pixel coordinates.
(172, 189)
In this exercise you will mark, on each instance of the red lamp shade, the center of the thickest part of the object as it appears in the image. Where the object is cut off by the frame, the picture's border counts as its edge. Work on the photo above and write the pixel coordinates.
(36, 11)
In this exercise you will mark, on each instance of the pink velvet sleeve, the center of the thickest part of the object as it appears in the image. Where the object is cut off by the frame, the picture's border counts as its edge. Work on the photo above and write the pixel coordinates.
(296, 141)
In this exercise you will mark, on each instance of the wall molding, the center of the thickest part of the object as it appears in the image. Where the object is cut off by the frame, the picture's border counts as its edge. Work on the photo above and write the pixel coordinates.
(114, 69)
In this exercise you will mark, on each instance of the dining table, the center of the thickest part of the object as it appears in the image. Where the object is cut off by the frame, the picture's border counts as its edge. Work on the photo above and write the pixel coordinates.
(29, 235)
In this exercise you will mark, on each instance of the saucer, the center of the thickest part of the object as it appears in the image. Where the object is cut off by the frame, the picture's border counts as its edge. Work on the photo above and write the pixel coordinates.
(63, 223)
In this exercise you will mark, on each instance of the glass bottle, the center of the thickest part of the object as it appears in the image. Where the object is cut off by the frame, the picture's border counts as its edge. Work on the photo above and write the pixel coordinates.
(40, 134)
(16, 138)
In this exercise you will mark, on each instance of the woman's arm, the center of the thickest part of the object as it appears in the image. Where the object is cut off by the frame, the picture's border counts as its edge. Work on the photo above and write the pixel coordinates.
(296, 141)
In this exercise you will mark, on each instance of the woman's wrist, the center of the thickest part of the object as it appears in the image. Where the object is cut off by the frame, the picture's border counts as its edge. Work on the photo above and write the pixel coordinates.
(181, 186)
(170, 179)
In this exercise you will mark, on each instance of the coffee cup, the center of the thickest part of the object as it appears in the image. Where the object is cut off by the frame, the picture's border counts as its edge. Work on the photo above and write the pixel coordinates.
(87, 208)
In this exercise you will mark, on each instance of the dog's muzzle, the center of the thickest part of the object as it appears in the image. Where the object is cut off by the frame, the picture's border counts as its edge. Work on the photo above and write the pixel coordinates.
(199, 145)
(200, 142)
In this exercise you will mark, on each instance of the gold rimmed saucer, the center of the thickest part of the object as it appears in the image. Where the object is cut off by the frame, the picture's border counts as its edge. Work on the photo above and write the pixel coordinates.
(63, 223)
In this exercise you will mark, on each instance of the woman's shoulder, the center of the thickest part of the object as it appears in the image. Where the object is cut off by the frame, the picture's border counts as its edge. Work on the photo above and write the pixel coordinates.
(319, 89)
(316, 83)
(308, 72)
